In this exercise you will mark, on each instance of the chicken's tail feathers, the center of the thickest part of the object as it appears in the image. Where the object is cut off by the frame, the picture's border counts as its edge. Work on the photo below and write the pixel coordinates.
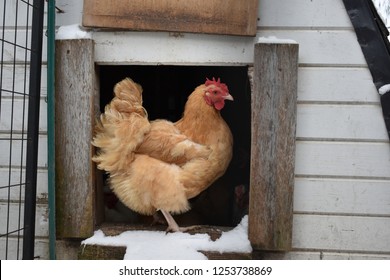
(128, 98)
(121, 128)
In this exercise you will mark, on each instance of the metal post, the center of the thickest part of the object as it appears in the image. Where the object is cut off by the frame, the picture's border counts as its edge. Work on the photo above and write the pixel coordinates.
(51, 126)
(33, 129)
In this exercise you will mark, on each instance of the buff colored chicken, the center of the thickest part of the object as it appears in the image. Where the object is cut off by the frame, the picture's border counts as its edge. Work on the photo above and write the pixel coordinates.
(160, 165)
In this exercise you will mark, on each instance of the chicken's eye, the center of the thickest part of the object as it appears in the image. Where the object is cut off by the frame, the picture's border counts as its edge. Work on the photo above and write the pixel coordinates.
(215, 92)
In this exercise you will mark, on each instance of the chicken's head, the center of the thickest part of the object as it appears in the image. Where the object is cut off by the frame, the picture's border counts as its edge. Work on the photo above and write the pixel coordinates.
(216, 93)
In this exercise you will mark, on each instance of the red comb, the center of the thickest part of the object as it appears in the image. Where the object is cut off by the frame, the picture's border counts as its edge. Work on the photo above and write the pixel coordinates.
(217, 83)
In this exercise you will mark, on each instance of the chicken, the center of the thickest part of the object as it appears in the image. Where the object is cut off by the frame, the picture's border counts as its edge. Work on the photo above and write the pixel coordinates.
(160, 165)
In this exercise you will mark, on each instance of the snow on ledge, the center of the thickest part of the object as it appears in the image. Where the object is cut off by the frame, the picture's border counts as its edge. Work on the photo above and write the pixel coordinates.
(384, 89)
(74, 31)
(158, 245)
(274, 40)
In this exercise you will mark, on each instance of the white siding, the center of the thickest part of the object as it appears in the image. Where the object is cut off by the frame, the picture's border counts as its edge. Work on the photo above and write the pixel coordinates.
(342, 186)
(342, 191)
(15, 73)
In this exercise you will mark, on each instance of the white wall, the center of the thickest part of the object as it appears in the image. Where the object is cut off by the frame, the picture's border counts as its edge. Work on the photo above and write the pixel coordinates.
(342, 191)
(13, 79)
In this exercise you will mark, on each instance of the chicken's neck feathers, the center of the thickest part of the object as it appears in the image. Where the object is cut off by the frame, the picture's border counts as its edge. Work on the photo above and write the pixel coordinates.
(199, 119)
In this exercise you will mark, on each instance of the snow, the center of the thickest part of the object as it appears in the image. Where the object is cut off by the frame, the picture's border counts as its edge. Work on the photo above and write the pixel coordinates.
(384, 89)
(274, 40)
(74, 31)
(152, 245)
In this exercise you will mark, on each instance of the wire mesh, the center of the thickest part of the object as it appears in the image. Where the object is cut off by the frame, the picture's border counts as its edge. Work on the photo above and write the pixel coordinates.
(15, 95)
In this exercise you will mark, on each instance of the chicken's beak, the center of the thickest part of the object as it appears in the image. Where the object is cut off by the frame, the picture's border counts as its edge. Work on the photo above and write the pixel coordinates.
(228, 97)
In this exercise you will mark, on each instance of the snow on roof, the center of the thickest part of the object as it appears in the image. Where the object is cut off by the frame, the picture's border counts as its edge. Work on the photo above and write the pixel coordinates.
(74, 31)
(275, 40)
(152, 245)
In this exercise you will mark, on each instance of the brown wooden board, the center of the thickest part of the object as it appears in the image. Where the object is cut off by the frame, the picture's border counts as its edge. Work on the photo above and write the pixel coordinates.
(75, 107)
(98, 252)
(273, 146)
(196, 16)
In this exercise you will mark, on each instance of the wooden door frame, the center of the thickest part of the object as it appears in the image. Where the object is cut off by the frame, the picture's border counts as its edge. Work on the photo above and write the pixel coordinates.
(274, 97)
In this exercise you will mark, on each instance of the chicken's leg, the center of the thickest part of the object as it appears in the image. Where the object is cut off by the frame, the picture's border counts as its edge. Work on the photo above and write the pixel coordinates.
(173, 226)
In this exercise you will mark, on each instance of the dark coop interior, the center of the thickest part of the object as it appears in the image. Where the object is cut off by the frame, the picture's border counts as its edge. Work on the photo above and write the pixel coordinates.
(165, 91)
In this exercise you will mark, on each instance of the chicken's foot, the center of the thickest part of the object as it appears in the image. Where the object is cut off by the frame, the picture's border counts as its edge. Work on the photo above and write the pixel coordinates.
(173, 226)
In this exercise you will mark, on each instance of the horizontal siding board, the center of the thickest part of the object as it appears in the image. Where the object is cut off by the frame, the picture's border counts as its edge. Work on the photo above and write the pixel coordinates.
(167, 48)
(16, 79)
(341, 122)
(315, 47)
(302, 255)
(327, 255)
(332, 84)
(354, 256)
(16, 151)
(41, 220)
(323, 47)
(12, 13)
(19, 54)
(346, 233)
(16, 178)
(303, 13)
(348, 159)
(355, 197)
(71, 12)
(41, 248)
(14, 115)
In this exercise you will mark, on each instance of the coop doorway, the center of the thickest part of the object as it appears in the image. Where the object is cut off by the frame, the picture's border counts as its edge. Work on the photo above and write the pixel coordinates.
(165, 91)
(263, 125)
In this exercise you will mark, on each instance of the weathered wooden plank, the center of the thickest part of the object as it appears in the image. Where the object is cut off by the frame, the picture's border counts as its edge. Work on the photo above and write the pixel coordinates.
(212, 255)
(67, 249)
(112, 229)
(344, 233)
(353, 122)
(330, 84)
(76, 95)
(97, 252)
(355, 197)
(303, 13)
(346, 159)
(273, 146)
(199, 16)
